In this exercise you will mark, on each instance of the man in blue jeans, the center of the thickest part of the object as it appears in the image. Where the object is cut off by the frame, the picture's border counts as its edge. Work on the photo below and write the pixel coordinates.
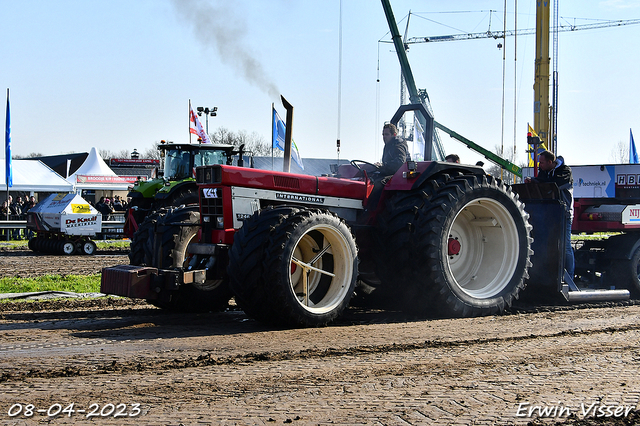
(554, 169)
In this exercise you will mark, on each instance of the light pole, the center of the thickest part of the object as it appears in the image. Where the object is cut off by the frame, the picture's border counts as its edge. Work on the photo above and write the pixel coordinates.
(207, 112)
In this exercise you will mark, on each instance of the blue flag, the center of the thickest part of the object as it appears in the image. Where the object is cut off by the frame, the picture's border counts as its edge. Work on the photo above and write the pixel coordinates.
(633, 154)
(7, 140)
(278, 137)
(278, 131)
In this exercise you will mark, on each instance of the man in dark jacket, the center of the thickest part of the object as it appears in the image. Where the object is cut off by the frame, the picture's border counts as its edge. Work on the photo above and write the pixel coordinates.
(395, 152)
(552, 169)
(394, 155)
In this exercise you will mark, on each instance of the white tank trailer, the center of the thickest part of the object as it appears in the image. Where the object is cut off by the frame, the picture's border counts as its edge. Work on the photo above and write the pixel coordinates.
(64, 224)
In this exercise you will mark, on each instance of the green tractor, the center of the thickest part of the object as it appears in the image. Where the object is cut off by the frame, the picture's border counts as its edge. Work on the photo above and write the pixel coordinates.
(177, 185)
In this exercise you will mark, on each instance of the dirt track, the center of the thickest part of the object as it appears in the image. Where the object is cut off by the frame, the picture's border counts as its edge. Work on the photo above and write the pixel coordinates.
(373, 367)
(24, 263)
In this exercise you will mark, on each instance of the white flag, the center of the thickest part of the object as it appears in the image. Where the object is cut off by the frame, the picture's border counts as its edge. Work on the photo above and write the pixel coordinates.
(196, 128)
(296, 155)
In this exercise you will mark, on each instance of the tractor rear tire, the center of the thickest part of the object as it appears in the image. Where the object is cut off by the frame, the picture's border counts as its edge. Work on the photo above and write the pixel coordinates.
(312, 267)
(472, 248)
(246, 261)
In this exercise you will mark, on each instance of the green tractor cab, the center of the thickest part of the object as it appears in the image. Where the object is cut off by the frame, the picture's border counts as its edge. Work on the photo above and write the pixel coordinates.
(177, 185)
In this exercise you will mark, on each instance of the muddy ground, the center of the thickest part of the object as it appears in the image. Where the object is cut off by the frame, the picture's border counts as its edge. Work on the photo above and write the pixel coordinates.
(24, 263)
(124, 362)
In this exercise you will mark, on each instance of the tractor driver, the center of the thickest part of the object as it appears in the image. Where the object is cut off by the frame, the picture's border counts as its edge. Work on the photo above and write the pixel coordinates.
(394, 155)
(395, 152)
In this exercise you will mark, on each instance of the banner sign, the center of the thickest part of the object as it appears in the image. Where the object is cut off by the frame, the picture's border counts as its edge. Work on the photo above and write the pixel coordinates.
(107, 179)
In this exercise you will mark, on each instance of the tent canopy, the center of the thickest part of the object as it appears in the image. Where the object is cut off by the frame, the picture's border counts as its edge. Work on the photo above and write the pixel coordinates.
(33, 175)
(95, 174)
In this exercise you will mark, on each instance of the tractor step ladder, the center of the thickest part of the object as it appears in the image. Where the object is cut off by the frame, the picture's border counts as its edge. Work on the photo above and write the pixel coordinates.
(572, 293)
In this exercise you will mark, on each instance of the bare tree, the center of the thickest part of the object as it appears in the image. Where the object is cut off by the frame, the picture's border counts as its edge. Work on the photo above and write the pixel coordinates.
(620, 153)
(497, 171)
(222, 135)
(106, 154)
(30, 155)
(253, 143)
(153, 152)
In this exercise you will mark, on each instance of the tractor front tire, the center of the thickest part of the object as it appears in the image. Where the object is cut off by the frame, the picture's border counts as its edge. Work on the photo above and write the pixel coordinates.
(312, 267)
(246, 261)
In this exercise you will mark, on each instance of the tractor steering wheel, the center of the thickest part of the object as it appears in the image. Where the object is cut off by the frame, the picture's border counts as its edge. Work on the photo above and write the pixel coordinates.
(354, 163)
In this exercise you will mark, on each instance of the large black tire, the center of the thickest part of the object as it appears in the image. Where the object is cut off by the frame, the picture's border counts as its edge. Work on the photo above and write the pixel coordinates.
(246, 260)
(142, 242)
(312, 267)
(174, 229)
(270, 254)
(186, 195)
(395, 228)
(471, 248)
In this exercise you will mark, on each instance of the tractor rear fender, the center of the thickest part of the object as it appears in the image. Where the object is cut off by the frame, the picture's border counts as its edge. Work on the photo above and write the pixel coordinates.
(405, 180)
(436, 168)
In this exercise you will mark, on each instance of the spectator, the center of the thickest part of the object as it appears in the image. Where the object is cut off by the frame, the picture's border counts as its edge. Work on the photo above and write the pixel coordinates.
(452, 158)
(104, 206)
(554, 169)
(117, 204)
(28, 205)
(15, 209)
(4, 212)
(99, 205)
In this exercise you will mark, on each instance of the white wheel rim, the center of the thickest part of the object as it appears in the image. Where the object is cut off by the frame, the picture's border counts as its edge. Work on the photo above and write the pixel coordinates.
(328, 268)
(68, 248)
(488, 251)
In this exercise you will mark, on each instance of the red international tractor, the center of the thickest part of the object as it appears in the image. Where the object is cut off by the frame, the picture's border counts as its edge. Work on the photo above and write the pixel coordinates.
(292, 249)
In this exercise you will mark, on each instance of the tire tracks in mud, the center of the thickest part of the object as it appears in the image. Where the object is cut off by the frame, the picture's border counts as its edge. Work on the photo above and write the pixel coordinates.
(205, 358)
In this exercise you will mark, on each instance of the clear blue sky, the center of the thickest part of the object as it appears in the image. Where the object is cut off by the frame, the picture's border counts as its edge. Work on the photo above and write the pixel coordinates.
(119, 74)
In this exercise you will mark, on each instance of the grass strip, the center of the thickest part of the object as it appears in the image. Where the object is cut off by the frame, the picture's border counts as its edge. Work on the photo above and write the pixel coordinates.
(73, 283)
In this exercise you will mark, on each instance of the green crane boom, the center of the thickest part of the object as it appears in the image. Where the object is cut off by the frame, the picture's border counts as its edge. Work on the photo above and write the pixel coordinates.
(429, 124)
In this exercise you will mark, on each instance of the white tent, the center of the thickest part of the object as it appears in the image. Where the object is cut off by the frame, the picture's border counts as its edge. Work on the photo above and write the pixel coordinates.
(33, 176)
(95, 174)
